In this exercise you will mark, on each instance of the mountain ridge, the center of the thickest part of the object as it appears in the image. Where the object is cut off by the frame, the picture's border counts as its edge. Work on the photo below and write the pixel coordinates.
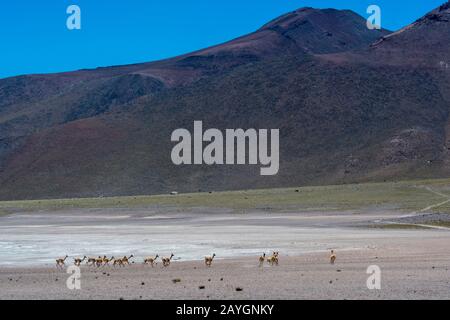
(347, 110)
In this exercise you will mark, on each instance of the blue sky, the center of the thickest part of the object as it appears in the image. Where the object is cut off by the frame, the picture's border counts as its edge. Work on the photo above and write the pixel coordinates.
(34, 37)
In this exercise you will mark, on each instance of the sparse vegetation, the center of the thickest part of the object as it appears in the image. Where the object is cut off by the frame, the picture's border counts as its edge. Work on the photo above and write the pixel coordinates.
(405, 196)
(3, 213)
(396, 226)
(445, 224)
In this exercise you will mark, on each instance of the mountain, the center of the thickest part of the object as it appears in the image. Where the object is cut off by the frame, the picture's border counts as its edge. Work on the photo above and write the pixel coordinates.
(422, 42)
(351, 104)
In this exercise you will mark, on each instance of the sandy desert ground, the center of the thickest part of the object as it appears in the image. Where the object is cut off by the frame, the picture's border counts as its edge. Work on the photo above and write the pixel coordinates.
(414, 262)
(403, 228)
(408, 272)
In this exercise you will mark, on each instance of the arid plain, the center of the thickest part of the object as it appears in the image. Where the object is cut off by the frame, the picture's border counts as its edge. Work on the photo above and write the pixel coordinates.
(403, 228)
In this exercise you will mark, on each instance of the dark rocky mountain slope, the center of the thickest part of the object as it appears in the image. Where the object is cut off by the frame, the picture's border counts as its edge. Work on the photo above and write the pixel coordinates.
(351, 104)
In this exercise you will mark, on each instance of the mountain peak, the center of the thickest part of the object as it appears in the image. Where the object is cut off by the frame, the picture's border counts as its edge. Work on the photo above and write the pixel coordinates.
(324, 30)
(303, 31)
(440, 14)
(343, 117)
(309, 14)
(423, 42)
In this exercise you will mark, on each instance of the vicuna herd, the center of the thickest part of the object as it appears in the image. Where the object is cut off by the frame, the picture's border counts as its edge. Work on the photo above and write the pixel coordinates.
(100, 261)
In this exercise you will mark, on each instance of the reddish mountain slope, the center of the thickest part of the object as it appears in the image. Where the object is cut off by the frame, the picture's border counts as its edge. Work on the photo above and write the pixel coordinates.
(349, 108)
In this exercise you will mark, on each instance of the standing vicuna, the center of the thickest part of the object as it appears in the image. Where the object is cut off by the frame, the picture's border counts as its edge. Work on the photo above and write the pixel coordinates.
(209, 260)
(125, 260)
(78, 261)
(261, 259)
(118, 262)
(107, 260)
(91, 261)
(61, 262)
(151, 260)
(332, 257)
(166, 261)
(99, 262)
(273, 260)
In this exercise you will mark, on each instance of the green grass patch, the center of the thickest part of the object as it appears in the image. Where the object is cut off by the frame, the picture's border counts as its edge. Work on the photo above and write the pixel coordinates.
(3, 213)
(396, 226)
(406, 196)
(445, 224)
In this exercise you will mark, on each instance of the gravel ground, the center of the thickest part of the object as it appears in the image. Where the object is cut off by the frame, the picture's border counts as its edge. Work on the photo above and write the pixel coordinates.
(414, 263)
(425, 218)
(414, 269)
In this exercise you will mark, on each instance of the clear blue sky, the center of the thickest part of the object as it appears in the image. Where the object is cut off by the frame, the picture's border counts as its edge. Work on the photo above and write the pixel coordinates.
(34, 37)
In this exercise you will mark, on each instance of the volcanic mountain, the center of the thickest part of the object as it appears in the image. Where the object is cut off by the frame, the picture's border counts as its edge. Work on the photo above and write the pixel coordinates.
(352, 104)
